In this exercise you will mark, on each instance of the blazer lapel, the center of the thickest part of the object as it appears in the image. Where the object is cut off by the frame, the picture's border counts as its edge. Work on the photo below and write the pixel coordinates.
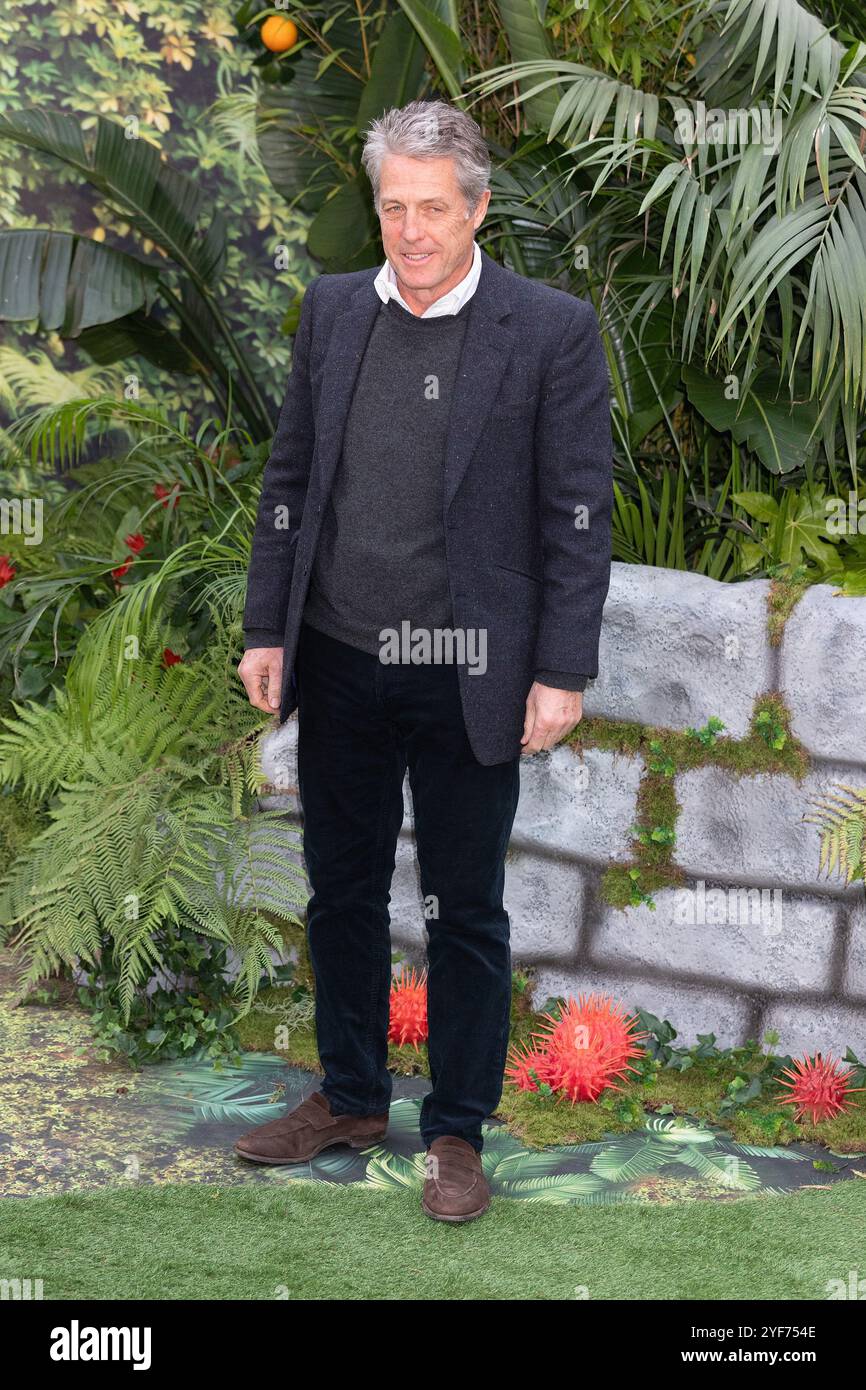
(345, 350)
(486, 350)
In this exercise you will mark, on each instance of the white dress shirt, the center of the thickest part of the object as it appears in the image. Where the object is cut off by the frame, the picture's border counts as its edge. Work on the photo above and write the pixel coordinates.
(450, 303)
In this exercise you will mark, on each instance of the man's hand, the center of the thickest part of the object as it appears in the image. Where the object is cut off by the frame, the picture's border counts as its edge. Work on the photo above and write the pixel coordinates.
(550, 715)
(261, 671)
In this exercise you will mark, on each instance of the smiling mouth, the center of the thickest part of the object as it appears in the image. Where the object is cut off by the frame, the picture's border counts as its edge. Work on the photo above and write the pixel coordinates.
(416, 257)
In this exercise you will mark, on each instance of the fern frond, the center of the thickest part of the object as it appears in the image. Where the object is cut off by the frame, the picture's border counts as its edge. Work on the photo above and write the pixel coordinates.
(152, 824)
(841, 819)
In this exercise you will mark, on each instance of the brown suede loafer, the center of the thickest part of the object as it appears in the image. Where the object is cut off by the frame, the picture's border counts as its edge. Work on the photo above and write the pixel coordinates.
(308, 1129)
(455, 1188)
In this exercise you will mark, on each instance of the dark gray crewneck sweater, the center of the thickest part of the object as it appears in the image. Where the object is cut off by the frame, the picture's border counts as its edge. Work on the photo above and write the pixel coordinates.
(381, 555)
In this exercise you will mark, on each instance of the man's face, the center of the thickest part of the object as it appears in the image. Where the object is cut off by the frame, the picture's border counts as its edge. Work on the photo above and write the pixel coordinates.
(426, 232)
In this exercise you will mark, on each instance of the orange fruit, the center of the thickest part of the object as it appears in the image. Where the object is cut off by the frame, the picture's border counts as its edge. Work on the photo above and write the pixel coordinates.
(278, 34)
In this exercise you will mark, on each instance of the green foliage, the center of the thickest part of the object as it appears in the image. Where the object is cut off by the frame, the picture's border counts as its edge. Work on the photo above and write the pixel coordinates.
(685, 1088)
(771, 729)
(631, 885)
(186, 1011)
(750, 1073)
(108, 294)
(658, 835)
(709, 733)
(19, 822)
(189, 499)
(151, 790)
(768, 747)
(661, 761)
(347, 68)
(789, 528)
(154, 76)
(787, 587)
(706, 1052)
(841, 820)
(739, 1092)
(723, 266)
(640, 40)
(782, 435)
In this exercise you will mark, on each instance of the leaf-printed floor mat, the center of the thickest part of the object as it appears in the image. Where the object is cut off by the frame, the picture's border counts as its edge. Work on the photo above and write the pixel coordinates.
(69, 1122)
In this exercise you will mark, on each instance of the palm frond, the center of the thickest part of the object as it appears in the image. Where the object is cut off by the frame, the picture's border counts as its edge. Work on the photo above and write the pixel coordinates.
(782, 45)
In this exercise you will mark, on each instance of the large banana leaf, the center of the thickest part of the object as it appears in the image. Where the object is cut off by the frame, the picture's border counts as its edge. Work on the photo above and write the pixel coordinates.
(67, 283)
(781, 434)
(396, 70)
(162, 204)
(343, 234)
(138, 334)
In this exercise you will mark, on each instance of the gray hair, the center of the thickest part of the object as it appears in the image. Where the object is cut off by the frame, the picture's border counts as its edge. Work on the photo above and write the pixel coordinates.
(429, 130)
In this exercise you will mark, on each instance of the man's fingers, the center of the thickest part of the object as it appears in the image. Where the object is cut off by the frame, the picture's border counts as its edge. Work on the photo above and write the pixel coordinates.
(255, 694)
(271, 688)
(528, 724)
(545, 737)
(261, 672)
(539, 741)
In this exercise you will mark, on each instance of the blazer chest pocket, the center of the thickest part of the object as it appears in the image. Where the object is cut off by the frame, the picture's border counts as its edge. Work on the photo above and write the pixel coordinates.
(515, 407)
(518, 574)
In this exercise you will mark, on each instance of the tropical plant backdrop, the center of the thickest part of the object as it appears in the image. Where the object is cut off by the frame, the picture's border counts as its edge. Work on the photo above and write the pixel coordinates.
(174, 174)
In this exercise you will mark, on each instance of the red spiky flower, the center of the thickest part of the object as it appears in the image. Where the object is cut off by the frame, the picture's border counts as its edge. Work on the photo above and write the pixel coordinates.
(818, 1086)
(581, 1052)
(528, 1067)
(408, 1017)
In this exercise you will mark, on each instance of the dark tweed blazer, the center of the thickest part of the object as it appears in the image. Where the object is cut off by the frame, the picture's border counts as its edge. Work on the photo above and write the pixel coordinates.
(528, 486)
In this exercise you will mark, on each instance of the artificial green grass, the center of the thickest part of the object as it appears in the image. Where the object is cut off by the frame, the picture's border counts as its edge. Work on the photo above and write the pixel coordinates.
(316, 1241)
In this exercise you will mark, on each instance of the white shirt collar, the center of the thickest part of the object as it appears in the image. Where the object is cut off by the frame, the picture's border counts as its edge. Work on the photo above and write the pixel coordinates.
(450, 303)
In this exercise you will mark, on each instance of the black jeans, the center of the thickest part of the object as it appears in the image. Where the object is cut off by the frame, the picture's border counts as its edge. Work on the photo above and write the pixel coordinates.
(361, 723)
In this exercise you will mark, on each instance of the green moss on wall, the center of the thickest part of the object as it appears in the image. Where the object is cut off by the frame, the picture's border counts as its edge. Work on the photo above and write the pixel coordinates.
(785, 593)
(769, 747)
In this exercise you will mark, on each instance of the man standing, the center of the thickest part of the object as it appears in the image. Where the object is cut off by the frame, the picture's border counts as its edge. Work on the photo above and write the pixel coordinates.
(430, 561)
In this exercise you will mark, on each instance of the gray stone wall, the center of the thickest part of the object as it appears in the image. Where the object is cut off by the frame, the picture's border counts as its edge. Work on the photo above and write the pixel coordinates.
(756, 938)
